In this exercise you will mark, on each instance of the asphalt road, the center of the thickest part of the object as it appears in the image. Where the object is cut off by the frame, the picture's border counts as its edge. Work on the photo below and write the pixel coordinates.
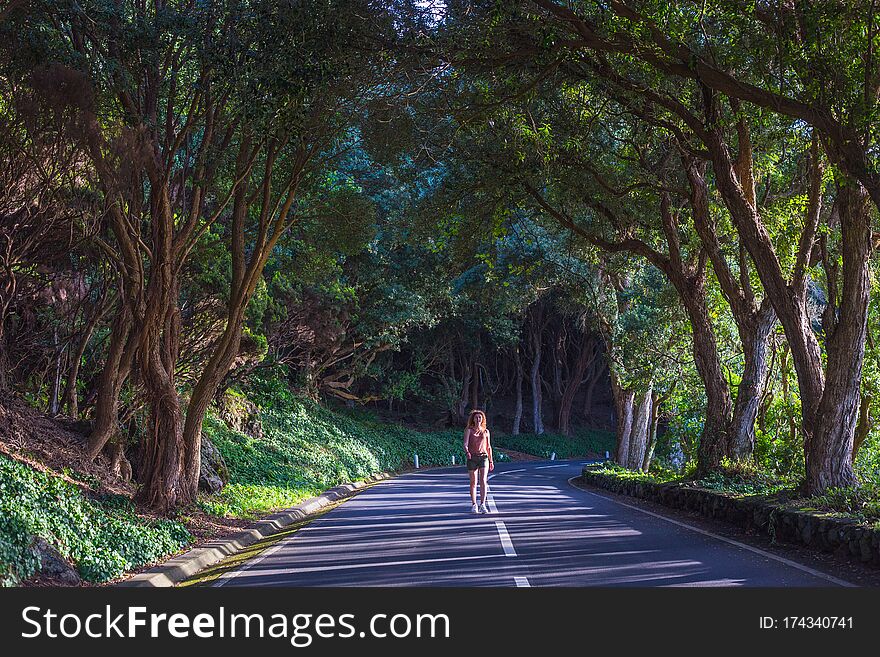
(417, 530)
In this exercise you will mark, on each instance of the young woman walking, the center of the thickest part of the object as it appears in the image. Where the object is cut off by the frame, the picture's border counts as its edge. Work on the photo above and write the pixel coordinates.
(478, 449)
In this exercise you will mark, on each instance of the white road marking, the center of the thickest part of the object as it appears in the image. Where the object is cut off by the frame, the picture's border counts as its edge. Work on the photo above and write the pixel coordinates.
(491, 503)
(544, 467)
(223, 579)
(506, 543)
(357, 566)
(522, 582)
(505, 472)
(768, 555)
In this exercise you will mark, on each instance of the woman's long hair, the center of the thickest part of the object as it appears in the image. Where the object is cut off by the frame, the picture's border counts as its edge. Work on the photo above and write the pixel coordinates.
(472, 420)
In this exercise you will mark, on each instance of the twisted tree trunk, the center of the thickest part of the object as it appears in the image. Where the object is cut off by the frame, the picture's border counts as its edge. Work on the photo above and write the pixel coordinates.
(161, 474)
(755, 340)
(535, 380)
(55, 387)
(70, 399)
(656, 400)
(116, 368)
(714, 440)
(640, 432)
(518, 408)
(623, 404)
(830, 448)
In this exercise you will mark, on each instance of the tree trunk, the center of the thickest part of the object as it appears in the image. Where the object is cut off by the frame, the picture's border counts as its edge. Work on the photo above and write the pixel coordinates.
(623, 405)
(4, 363)
(7, 293)
(753, 323)
(161, 469)
(719, 407)
(586, 355)
(466, 374)
(828, 452)
(518, 408)
(113, 376)
(161, 472)
(70, 399)
(475, 383)
(788, 301)
(560, 357)
(55, 389)
(535, 379)
(203, 392)
(755, 339)
(863, 428)
(656, 400)
(641, 423)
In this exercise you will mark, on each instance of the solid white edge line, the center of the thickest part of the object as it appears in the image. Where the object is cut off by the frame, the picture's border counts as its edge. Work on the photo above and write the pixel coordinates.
(750, 548)
(250, 563)
(522, 582)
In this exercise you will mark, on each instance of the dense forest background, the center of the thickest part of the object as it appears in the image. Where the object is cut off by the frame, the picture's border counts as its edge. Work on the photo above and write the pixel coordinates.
(652, 219)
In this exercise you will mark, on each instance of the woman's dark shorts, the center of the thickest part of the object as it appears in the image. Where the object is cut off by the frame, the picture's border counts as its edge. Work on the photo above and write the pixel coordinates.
(477, 461)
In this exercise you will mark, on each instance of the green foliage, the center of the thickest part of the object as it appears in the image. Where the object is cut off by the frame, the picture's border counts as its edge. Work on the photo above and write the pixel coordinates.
(778, 446)
(611, 469)
(744, 479)
(863, 503)
(867, 465)
(582, 443)
(677, 446)
(102, 538)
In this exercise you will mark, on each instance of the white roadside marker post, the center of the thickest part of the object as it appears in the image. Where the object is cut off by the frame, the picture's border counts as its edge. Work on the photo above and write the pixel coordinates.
(453, 459)
(416, 459)
(553, 456)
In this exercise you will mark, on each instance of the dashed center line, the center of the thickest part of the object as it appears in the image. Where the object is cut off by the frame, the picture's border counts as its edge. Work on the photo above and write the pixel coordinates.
(506, 543)
(522, 582)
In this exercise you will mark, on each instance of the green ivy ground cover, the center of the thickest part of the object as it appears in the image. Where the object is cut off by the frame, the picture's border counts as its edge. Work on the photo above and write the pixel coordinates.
(103, 539)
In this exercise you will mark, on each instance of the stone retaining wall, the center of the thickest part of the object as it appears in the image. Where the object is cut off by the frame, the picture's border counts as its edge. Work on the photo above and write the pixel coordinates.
(785, 525)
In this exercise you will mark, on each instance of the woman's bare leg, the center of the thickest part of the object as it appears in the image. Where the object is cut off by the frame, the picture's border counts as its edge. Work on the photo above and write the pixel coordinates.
(473, 476)
(484, 483)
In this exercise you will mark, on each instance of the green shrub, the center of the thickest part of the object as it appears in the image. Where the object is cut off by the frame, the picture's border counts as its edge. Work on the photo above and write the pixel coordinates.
(745, 478)
(863, 502)
(102, 539)
(611, 469)
(582, 443)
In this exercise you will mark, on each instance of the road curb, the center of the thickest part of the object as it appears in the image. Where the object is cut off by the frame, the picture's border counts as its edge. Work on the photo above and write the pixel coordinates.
(192, 562)
(814, 531)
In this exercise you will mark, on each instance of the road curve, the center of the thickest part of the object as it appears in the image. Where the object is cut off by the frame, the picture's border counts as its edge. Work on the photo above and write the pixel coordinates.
(417, 530)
